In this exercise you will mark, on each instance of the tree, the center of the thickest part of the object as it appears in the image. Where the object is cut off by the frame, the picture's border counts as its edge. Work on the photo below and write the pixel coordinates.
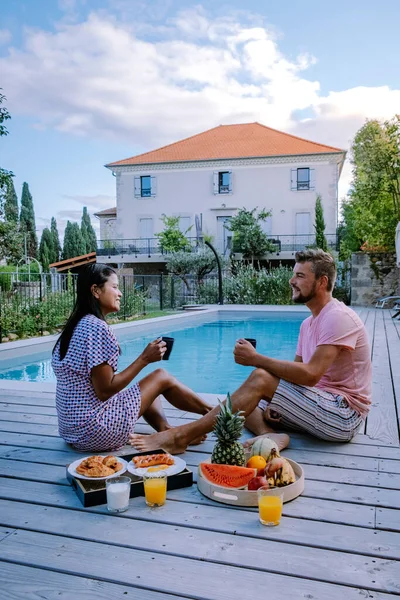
(319, 226)
(73, 242)
(172, 239)
(27, 221)
(55, 242)
(88, 233)
(10, 203)
(248, 236)
(5, 176)
(46, 249)
(373, 207)
(192, 264)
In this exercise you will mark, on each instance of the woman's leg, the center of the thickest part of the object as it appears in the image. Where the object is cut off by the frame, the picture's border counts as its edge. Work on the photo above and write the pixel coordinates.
(161, 382)
(155, 416)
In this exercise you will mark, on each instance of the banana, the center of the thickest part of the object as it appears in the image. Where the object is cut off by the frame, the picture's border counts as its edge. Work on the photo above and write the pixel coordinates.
(285, 475)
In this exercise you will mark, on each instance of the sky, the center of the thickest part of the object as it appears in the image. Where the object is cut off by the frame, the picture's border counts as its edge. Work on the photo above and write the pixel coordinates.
(89, 82)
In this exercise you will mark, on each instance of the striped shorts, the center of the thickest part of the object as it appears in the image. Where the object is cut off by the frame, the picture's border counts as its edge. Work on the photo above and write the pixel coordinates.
(322, 414)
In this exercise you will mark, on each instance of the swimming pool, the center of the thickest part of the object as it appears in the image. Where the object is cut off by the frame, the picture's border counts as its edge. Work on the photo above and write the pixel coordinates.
(202, 355)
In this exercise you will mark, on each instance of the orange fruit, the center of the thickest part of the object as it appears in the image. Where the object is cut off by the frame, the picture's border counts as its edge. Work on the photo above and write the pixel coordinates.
(155, 469)
(256, 462)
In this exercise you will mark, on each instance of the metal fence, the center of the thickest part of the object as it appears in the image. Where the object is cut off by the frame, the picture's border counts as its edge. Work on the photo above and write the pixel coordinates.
(43, 303)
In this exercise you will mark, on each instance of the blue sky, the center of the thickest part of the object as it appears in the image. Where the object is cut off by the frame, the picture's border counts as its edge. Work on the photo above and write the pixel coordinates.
(92, 81)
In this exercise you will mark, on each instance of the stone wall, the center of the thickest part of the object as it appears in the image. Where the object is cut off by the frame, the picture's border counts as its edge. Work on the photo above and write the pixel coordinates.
(373, 275)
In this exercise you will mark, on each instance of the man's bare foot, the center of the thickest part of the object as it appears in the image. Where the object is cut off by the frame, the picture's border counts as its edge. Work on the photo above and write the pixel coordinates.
(171, 440)
(281, 439)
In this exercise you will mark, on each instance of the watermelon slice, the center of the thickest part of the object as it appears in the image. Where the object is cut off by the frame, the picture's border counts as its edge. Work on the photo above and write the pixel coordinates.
(229, 476)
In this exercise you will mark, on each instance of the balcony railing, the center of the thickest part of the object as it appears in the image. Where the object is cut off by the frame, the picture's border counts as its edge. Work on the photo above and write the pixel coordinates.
(138, 246)
(141, 247)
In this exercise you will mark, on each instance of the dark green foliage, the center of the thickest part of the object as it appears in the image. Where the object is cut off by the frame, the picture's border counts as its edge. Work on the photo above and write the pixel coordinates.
(172, 239)
(10, 203)
(88, 233)
(319, 226)
(55, 242)
(248, 236)
(73, 242)
(5, 176)
(27, 221)
(46, 249)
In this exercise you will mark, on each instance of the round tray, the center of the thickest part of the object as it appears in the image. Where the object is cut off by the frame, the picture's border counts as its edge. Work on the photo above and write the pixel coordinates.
(249, 498)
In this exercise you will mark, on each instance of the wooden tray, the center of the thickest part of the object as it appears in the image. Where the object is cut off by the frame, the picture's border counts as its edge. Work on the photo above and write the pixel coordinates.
(246, 498)
(93, 493)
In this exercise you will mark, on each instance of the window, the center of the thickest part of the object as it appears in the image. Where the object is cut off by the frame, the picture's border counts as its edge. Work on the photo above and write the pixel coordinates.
(222, 182)
(145, 186)
(302, 178)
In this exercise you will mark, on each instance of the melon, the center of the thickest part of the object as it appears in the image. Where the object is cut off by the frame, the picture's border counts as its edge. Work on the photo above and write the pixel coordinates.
(263, 446)
(229, 476)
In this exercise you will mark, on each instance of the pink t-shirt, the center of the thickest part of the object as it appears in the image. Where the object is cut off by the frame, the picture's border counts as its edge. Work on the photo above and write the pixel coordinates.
(350, 374)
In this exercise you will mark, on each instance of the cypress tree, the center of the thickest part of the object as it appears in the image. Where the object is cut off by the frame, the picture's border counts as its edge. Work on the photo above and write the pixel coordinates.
(27, 221)
(73, 242)
(55, 245)
(88, 233)
(11, 203)
(319, 226)
(45, 249)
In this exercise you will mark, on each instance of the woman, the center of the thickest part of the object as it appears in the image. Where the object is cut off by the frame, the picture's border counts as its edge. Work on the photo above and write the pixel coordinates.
(95, 412)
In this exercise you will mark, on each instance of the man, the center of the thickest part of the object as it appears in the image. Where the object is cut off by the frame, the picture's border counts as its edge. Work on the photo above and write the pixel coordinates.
(325, 391)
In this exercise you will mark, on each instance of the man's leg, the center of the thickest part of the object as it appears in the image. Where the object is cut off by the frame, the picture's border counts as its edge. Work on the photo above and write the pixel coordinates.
(260, 384)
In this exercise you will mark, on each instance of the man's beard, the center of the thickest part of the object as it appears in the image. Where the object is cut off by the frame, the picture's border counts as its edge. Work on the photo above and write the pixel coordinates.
(300, 299)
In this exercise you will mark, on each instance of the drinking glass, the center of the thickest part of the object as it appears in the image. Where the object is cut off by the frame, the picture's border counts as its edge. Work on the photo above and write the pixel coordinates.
(155, 488)
(118, 490)
(269, 506)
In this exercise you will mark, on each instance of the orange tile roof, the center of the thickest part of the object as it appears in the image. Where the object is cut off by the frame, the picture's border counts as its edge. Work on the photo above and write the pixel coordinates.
(245, 140)
(107, 211)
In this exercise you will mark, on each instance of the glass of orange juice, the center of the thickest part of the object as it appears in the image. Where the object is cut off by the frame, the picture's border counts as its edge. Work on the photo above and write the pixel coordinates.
(155, 488)
(269, 506)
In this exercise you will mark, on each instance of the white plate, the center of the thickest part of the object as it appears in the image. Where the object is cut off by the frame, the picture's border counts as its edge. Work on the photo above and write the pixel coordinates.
(76, 463)
(177, 467)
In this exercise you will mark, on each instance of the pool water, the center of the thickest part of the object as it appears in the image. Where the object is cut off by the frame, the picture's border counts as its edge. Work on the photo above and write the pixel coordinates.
(202, 355)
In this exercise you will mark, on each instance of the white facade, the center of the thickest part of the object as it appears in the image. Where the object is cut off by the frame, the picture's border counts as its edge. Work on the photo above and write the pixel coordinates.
(215, 190)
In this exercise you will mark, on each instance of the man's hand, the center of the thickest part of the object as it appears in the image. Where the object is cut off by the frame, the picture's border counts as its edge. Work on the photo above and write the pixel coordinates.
(244, 353)
(154, 351)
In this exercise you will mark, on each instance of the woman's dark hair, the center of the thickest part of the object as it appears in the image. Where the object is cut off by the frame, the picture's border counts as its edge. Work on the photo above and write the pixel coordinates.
(86, 303)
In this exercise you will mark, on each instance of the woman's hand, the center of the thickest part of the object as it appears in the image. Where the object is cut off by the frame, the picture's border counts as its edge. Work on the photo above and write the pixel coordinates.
(244, 353)
(154, 351)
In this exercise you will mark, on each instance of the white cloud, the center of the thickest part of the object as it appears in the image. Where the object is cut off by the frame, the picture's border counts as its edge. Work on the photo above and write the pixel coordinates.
(98, 202)
(107, 77)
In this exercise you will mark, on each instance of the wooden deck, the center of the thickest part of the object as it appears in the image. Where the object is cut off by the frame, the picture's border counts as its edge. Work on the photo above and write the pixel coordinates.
(339, 540)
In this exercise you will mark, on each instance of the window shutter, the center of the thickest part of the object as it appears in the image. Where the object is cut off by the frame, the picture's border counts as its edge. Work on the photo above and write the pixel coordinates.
(230, 182)
(293, 176)
(215, 182)
(312, 179)
(153, 186)
(137, 186)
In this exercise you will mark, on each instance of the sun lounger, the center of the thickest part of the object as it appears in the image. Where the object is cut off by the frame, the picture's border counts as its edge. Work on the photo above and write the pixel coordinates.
(381, 302)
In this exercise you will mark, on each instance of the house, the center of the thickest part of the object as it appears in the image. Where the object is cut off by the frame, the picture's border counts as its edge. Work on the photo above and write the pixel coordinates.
(206, 178)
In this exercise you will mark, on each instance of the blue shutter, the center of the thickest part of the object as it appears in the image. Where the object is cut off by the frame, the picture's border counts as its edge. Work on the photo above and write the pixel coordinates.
(153, 186)
(137, 187)
(312, 179)
(293, 179)
(230, 182)
(215, 182)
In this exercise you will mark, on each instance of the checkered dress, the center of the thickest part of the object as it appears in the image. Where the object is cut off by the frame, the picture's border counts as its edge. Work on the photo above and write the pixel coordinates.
(83, 420)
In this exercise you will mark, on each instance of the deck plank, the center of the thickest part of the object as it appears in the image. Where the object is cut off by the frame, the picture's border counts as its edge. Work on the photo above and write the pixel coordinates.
(223, 548)
(169, 574)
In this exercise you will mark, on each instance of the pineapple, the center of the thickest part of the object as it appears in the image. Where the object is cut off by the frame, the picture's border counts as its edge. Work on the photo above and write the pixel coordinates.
(228, 428)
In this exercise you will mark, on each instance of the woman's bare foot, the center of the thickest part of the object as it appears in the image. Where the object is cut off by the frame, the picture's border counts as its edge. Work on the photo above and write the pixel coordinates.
(281, 439)
(171, 440)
